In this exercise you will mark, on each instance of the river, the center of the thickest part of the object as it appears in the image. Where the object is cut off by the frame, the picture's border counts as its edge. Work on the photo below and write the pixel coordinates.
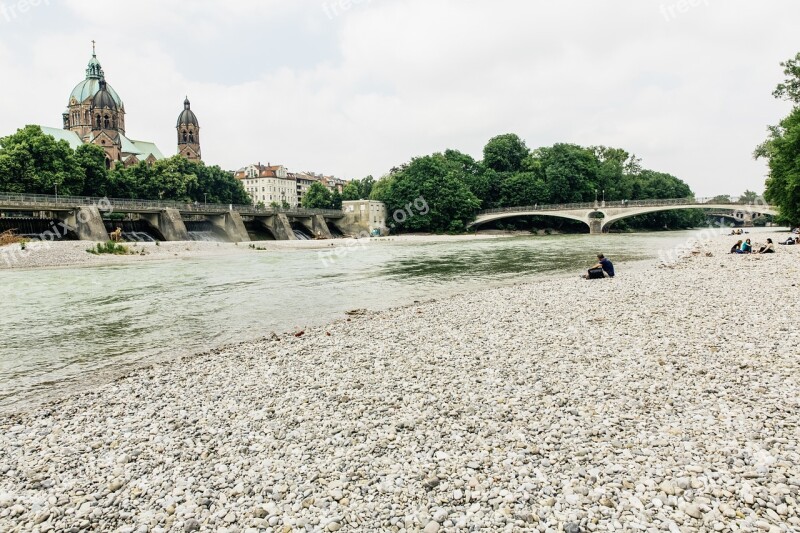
(65, 328)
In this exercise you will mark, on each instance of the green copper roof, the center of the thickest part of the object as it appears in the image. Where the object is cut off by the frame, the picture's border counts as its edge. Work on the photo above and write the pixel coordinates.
(63, 135)
(147, 148)
(127, 147)
(91, 85)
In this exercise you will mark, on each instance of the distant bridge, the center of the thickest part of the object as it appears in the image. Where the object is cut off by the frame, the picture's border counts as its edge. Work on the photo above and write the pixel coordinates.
(600, 215)
(168, 219)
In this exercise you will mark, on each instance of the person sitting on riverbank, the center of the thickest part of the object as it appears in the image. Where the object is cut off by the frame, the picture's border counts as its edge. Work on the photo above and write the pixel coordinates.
(768, 248)
(604, 268)
(736, 247)
(746, 248)
(790, 241)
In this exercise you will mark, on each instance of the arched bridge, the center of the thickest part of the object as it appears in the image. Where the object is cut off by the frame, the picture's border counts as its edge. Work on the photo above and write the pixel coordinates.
(599, 216)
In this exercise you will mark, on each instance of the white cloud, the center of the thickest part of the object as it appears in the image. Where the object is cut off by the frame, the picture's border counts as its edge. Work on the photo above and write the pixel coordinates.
(387, 80)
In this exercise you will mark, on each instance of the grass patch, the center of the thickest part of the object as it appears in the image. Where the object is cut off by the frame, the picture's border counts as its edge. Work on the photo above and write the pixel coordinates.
(109, 248)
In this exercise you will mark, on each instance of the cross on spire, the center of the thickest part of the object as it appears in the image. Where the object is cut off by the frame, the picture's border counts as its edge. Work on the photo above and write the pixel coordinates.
(93, 49)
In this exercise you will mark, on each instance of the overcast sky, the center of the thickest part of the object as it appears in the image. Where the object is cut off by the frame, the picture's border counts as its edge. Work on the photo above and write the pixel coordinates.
(354, 87)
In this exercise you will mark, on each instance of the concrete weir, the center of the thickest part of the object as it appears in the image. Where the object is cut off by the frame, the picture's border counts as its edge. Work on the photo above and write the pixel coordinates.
(165, 219)
(169, 222)
(231, 224)
(87, 223)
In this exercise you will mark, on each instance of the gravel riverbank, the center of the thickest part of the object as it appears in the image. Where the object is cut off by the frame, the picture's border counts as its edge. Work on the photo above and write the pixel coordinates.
(663, 400)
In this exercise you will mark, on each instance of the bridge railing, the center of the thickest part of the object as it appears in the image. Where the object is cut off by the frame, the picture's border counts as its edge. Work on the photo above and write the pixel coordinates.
(44, 201)
(699, 202)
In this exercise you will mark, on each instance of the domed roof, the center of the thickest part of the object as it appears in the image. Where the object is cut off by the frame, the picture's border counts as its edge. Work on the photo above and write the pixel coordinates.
(187, 116)
(103, 98)
(89, 87)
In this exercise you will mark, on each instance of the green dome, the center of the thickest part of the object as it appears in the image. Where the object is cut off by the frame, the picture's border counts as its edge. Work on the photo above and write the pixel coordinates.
(89, 87)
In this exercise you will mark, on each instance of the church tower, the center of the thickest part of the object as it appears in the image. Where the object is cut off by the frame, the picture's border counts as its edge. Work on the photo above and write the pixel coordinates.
(105, 123)
(78, 116)
(188, 133)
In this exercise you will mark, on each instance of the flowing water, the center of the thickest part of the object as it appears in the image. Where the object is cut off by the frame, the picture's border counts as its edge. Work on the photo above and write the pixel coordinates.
(63, 328)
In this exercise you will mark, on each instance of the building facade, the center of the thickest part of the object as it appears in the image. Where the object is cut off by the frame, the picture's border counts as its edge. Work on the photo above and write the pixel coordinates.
(367, 217)
(269, 185)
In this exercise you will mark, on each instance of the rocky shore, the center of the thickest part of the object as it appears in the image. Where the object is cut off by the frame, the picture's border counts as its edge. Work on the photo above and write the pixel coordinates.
(666, 399)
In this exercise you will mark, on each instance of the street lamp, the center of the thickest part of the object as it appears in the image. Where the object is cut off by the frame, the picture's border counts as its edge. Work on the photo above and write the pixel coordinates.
(56, 186)
(205, 198)
(595, 197)
(604, 197)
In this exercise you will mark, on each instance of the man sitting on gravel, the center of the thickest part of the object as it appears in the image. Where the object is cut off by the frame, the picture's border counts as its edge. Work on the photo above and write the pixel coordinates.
(603, 265)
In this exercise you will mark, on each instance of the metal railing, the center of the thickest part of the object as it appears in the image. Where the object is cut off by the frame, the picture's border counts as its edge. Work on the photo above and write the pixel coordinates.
(732, 201)
(44, 201)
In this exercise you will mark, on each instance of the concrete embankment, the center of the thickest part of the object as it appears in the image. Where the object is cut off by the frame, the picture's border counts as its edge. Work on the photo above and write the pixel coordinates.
(665, 400)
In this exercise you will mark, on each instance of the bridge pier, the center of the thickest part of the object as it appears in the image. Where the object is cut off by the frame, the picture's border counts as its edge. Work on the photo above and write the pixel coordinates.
(87, 222)
(278, 225)
(231, 224)
(316, 225)
(169, 223)
(595, 226)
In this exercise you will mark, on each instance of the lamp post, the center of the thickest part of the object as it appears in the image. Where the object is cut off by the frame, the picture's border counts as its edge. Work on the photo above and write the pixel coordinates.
(604, 197)
(595, 197)
(56, 186)
(205, 198)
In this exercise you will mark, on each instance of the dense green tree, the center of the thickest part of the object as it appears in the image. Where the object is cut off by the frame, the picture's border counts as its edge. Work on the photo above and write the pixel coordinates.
(352, 191)
(216, 186)
(358, 189)
(430, 194)
(33, 162)
(505, 153)
(91, 160)
(524, 188)
(380, 190)
(570, 171)
(318, 196)
(782, 150)
(336, 200)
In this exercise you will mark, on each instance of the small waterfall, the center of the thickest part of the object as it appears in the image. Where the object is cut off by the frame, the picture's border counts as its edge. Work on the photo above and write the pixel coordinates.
(202, 231)
(301, 236)
(205, 236)
(137, 236)
(132, 230)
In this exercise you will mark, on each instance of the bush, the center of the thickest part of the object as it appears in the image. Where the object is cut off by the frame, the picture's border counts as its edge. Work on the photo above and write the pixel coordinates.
(108, 248)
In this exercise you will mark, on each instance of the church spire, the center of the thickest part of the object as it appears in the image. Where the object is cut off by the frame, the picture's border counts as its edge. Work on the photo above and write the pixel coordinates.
(94, 71)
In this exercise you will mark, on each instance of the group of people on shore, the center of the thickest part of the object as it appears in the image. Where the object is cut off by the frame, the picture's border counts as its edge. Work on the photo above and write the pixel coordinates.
(746, 247)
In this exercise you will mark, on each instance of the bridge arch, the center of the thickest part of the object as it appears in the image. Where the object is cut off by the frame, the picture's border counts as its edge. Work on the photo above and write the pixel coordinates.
(579, 217)
(614, 216)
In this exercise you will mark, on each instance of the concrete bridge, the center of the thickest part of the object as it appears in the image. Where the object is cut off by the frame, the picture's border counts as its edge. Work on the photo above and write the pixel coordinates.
(599, 216)
(84, 216)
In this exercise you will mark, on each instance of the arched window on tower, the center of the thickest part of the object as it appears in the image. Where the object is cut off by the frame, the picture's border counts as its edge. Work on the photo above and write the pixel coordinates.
(191, 137)
(98, 124)
(185, 136)
(106, 122)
